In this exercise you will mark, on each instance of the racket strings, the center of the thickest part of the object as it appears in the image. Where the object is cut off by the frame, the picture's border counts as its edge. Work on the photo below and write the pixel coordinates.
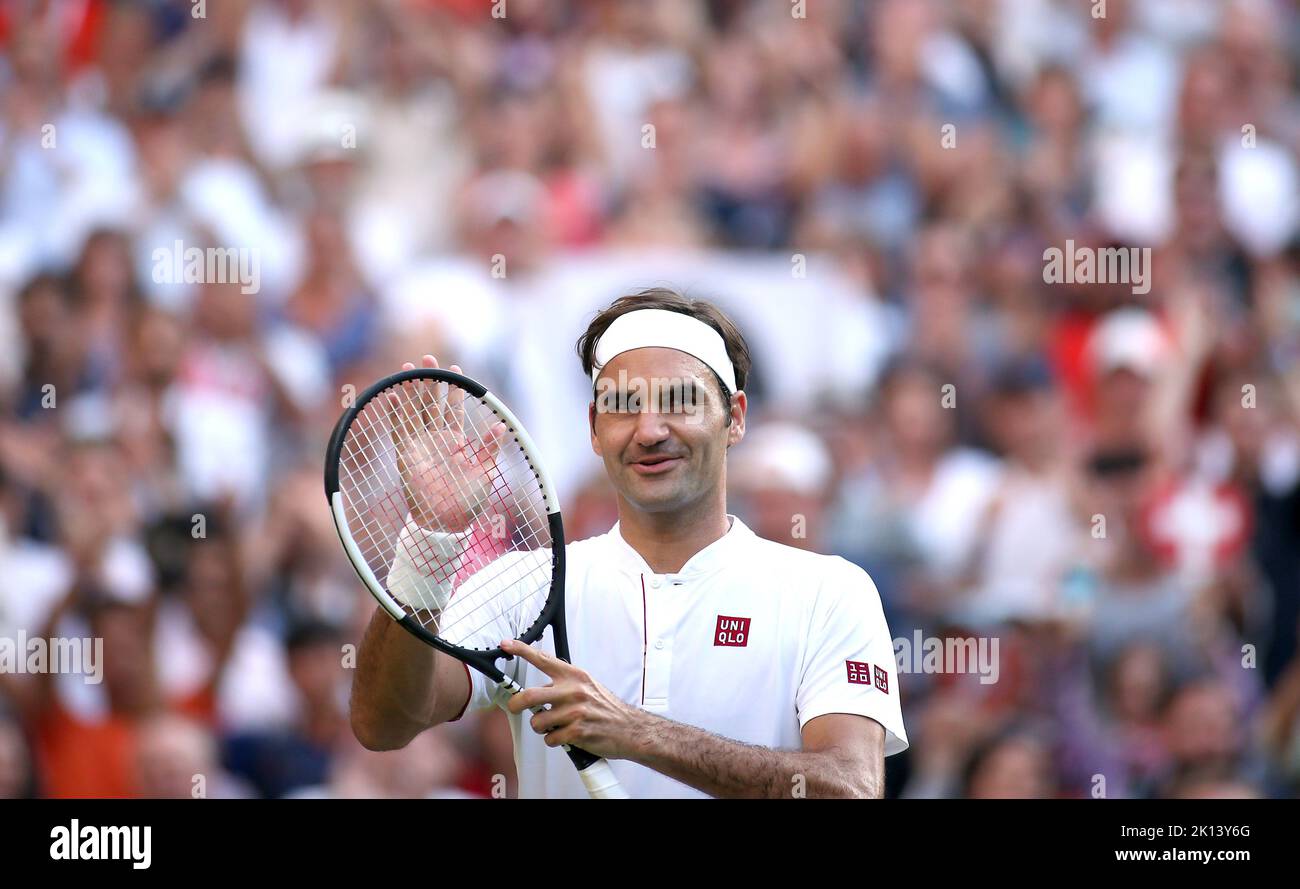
(468, 477)
(475, 557)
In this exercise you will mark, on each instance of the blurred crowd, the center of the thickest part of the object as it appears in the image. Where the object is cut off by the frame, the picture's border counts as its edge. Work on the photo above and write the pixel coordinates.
(1103, 478)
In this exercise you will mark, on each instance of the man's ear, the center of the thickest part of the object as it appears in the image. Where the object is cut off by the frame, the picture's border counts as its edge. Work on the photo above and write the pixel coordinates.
(736, 431)
(591, 426)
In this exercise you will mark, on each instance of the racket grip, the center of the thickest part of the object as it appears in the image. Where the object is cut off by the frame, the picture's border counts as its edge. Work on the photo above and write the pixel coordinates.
(600, 781)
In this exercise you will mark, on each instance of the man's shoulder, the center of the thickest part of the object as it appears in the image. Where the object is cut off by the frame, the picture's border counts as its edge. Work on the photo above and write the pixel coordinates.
(794, 569)
(775, 554)
(789, 566)
(587, 549)
(830, 581)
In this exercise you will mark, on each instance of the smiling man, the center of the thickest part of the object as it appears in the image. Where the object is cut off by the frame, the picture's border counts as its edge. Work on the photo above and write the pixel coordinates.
(713, 662)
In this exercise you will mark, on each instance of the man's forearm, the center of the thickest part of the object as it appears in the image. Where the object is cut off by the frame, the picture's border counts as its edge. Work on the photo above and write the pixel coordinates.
(732, 770)
(393, 689)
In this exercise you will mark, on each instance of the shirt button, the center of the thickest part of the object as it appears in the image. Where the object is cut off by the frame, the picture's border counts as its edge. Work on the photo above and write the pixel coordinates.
(655, 582)
(659, 643)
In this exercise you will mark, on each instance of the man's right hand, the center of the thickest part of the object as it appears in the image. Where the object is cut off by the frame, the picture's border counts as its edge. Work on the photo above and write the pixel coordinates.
(446, 475)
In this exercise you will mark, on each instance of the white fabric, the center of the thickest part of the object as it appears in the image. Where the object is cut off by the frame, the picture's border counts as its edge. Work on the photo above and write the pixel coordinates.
(1258, 191)
(1029, 547)
(423, 566)
(255, 691)
(52, 198)
(284, 61)
(36, 577)
(651, 328)
(436, 293)
(945, 519)
(650, 639)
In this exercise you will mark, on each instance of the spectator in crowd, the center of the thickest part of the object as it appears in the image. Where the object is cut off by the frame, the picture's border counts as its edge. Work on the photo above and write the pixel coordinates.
(781, 478)
(300, 754)
(176, 758)
(16, 774)
(1016, 764)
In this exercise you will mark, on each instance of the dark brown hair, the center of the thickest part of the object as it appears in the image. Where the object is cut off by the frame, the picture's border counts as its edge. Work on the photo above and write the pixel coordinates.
(672, 301)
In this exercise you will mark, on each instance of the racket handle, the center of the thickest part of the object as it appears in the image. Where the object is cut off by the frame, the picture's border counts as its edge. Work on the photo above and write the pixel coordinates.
(596, 774)
(600, 781)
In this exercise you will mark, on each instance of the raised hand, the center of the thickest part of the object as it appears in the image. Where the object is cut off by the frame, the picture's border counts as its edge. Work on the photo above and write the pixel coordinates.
(447, 476)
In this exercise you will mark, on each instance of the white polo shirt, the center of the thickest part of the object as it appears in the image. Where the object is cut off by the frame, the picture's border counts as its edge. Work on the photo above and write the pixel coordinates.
(750, 640)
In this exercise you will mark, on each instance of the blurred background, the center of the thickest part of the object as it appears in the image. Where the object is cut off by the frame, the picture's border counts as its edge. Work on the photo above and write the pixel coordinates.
(1103, 481)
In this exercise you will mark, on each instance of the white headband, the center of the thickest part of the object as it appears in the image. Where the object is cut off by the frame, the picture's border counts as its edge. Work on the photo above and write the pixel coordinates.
(646, 328)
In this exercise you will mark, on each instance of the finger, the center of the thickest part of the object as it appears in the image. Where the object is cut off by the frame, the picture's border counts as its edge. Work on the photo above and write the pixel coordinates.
(555, 718)
(429, 395)
(548, 664)
(396, 427)
(456, 405)
(492, 442)
(438, 393)
(399, 428)
(537, 696)
(561, 737)
(411, 401)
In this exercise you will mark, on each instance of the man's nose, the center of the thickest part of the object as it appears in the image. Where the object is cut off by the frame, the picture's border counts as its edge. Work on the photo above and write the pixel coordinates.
(651, 428)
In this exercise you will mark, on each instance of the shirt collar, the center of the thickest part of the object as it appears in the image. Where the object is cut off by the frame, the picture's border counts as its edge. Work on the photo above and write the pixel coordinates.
(718, 553)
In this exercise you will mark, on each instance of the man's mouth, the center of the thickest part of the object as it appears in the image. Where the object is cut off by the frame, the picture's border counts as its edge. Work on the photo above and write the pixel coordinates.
(655, 465)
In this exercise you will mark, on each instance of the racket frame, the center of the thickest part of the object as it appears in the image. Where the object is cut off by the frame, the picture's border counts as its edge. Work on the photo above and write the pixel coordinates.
(552, 613)
(595, 771)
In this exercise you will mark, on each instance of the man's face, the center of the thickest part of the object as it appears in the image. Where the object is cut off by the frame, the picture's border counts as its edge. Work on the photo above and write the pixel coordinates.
(660, 425)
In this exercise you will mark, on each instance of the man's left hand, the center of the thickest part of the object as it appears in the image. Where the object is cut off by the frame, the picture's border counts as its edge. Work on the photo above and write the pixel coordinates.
(582, 713)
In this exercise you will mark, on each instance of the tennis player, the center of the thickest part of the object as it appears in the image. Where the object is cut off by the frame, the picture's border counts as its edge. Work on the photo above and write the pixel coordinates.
(712, 662)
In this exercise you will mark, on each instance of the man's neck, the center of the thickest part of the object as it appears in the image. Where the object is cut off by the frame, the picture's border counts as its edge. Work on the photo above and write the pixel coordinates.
(668, 540)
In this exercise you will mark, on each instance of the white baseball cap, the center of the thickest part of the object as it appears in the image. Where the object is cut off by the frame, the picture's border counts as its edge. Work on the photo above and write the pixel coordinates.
(783, 457)
(1128, 339)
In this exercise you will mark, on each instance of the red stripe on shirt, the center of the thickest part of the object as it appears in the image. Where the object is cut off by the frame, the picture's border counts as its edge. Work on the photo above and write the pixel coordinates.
(645, 639)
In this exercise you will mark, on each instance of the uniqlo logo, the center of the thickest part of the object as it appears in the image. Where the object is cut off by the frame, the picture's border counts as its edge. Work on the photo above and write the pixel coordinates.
(859, 672)
(882, 680)
(731, 631)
